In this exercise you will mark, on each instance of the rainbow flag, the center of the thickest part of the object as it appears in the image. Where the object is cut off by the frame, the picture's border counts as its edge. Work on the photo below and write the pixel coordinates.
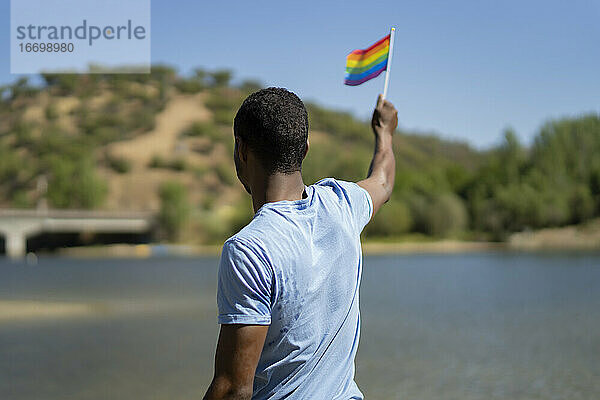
(362, 65)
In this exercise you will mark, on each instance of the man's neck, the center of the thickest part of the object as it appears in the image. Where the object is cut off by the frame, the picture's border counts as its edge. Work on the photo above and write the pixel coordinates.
(278, 187)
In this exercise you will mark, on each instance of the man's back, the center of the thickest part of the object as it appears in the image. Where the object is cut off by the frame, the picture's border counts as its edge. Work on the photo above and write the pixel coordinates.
(289, 281)
(297, 268)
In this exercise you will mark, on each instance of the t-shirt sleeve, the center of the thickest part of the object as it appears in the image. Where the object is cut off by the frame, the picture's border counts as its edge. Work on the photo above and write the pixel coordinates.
(244, 286)
(358, 201)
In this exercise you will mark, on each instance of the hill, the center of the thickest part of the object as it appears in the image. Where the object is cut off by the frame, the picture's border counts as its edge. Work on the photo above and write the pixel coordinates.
(163, 142)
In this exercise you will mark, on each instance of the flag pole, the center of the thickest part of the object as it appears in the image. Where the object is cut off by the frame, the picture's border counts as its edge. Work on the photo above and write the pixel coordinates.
(389, 63)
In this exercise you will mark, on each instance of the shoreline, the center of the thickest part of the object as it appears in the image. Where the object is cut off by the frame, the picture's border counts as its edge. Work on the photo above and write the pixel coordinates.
(574, 238)
(183, 250)
(437, 246)
(370, 248)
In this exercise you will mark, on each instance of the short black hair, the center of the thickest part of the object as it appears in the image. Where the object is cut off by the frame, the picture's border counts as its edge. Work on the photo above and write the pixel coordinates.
(274, 124)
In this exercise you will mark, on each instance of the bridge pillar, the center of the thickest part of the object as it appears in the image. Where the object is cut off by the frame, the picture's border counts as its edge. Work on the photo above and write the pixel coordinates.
(16, 244)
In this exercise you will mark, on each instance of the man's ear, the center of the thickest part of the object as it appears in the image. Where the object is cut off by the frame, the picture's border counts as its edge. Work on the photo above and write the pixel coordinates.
(242, 149)
(306, 149)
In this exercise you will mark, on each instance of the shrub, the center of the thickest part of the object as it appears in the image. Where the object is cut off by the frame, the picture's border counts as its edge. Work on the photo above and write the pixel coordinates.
(189, 86)
(65, 83)
(74, 184)
(223, 100)
(23, 131)
(438, 214)
(447, 215)
(225, 172)
(250, 86)
(221, 78)
(224, 117)
(106, 134)
(10, 164)
(392, 220)
(581, 204)
(341, 124)
(178, 164)
(163, 73)
(318, 162)
(218, 224)
(51, 112)
(119, 164)
(174, 209)
(242, 215)
(20, 199)
(157, 162)
(204, 128)
(142, 119)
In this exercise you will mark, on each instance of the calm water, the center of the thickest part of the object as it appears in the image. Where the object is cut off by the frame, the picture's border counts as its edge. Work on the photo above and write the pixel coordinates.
(476, 326)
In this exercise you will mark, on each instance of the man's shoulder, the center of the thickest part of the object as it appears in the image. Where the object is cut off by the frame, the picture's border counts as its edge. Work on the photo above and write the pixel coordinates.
(354, 199)
(340, 183)
(343, 189)
(243, 239)
(238, 248)
(250, 236)
(329, 182)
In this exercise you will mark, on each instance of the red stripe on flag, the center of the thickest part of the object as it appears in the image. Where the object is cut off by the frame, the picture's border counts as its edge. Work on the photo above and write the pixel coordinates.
(372, 46)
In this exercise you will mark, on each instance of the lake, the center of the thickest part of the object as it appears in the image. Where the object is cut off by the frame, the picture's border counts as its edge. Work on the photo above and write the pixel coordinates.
(495, 325)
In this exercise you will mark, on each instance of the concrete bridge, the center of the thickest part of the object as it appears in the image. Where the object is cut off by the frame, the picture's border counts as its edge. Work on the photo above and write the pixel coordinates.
(17, 225)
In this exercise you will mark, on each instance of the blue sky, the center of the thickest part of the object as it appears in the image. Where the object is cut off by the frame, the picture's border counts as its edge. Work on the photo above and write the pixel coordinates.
(463, 69)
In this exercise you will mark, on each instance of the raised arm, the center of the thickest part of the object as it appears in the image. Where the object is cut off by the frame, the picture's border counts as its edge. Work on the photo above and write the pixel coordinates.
(380, 180)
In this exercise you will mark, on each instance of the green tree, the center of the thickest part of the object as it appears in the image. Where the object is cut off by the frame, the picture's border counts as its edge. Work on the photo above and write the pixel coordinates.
(74, 184)
(221, 78)
(581, 204)
(174, 209)
(446, 215)
(250, 85)
(393, 219)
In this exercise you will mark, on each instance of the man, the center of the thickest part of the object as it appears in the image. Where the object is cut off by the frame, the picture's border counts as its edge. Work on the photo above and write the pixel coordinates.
(288, 282)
